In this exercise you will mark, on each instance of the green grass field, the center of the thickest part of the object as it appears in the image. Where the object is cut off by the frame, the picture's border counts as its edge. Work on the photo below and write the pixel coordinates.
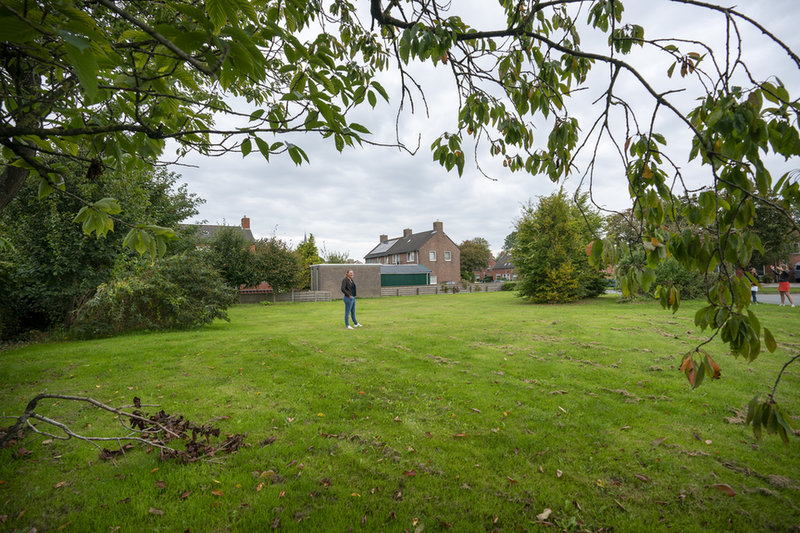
(463, 412)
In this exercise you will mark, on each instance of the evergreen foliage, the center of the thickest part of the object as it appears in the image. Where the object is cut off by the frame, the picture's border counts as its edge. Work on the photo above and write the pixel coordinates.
(176, 292)
(550, 255)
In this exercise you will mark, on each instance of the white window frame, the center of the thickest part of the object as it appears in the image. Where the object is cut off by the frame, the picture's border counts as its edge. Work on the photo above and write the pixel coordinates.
(410, 257)
(432, 256)
(448, 256)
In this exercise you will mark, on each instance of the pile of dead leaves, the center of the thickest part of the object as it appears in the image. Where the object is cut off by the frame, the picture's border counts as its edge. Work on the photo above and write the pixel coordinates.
(164, 431)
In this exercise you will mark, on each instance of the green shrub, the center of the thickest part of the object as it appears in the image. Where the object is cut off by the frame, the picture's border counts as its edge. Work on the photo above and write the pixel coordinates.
(560, 285)
(671, 273)
(178, 292)
(509, 286)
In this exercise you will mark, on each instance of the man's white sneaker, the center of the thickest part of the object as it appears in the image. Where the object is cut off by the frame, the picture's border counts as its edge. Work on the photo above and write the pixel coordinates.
(350, 327)
(358, 325)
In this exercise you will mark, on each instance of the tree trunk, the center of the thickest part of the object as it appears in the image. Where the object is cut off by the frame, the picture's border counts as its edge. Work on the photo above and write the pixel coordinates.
(28, 83)
(11, 181)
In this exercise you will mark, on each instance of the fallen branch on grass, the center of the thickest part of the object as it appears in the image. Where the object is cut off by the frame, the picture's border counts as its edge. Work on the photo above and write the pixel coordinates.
(154, 431)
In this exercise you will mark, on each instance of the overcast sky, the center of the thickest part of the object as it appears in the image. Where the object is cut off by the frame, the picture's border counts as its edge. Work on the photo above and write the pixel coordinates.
(346, 200)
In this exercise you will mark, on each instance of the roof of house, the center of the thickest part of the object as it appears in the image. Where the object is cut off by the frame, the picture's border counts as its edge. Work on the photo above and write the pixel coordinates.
(401, 245)
(405, 269)
(504, 262)
(207, 232)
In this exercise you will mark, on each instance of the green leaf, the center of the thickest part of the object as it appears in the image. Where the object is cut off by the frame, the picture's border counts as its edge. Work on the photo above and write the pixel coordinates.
(80, 56)
(108, 205)
(247, 147)
(769, 341)
(263, 147)
(381, 90)
(216, 13)
(44, 188)
(16, 30)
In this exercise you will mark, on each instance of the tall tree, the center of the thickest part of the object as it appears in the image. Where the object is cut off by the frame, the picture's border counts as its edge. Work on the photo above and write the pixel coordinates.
(475, 255)
(549, 254)
(778, 236)
(105, 84)
(276, 263)
(231, 253)
(308, 255)
(52, 266)
(510, 240)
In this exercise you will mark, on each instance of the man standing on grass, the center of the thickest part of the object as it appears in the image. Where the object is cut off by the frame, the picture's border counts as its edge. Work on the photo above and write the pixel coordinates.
(349, 291)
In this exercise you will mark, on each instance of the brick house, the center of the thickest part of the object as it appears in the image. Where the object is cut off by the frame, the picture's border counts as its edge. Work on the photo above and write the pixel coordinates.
(503, 268)
(480, 275)
(432, 249)
(207, 232)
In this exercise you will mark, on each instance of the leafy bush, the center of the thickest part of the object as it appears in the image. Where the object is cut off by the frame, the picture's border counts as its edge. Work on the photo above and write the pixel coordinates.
(178, 292)
(671, 273)
(560, 285)
(509, 286)
(549, 254)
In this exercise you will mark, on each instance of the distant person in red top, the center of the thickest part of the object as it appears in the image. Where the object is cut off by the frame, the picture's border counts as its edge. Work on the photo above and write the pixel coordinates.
(782, 273)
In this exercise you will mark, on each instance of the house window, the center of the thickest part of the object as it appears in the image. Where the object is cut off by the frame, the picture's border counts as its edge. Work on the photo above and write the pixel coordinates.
(395, 259)
(447, 255)
(410, 257)
(432, 255)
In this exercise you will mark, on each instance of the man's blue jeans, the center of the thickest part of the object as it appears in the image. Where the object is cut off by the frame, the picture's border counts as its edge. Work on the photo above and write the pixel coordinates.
(350, 309)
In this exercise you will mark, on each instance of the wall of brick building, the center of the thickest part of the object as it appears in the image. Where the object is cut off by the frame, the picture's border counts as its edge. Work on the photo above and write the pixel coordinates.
(328, 277)
(445, 271)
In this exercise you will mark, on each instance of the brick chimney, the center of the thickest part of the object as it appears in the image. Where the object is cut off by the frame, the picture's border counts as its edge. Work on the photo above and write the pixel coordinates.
(384, 238)
(407, 232)
(245, 222)
(437, 226)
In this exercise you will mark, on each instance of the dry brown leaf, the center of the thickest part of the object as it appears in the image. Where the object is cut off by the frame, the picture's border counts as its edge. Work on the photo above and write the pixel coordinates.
(658, 441)
(511, 480)
(725, 489)
(153, 510)
(185, 494)
(544, 515)
(161, 484)
(259, 487)
(217, 493)
(643, 478)
(559, 473)
(59, 484)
